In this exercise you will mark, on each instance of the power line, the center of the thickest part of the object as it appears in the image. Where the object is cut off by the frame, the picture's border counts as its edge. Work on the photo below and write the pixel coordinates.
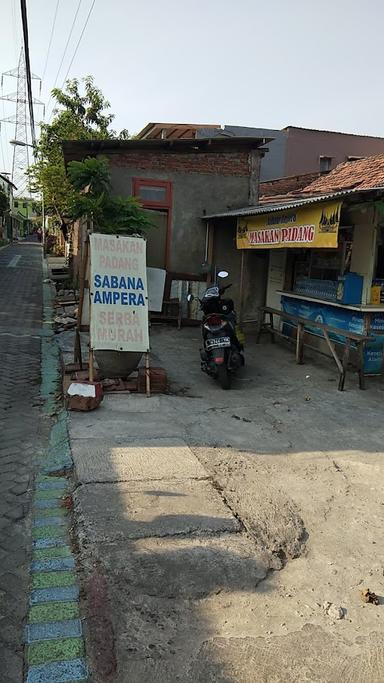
(15, 31)
(24, 19)
(2, 152)
(76, 48)
(65, 49)
(50, 39)
(79, 41)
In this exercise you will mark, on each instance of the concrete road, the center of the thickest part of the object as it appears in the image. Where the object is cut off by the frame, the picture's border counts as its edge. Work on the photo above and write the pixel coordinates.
(221, 534)
(20, 439)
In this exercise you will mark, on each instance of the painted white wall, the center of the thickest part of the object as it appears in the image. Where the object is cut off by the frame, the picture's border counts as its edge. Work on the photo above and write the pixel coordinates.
(363, 256)
(276, 276)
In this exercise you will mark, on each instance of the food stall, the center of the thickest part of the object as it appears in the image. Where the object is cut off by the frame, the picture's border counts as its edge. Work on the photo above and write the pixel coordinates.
(326, 262)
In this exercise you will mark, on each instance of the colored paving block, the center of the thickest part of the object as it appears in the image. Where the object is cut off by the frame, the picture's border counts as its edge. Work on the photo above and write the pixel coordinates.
(57, 564)
(44, 504)
(53, 531)
(55, 650)
(58, 672)
(59, 593)
(71, 628)
(57, 463)
(50, 553)
(53, 611)
(53, 579)
(49, 542)
(44, 483)
(50, 512)
(49, 521)
(48, 494)
(42, 479)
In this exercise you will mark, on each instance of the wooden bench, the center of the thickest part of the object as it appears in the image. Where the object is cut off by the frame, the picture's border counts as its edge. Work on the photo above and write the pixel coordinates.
(302, 324)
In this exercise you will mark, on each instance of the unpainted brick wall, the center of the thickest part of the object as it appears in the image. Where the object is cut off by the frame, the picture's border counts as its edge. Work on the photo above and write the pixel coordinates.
(226, 164)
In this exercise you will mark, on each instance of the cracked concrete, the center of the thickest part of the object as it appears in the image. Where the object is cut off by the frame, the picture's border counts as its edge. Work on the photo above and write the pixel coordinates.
(299, 481)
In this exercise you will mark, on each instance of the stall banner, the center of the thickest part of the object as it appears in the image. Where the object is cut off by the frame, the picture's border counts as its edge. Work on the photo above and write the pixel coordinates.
(309, 226)
(344, 319)
(118, 293)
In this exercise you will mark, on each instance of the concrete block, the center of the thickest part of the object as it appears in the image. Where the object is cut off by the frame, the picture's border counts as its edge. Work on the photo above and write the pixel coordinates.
(134, 460)
(189, 568)
(118, 512)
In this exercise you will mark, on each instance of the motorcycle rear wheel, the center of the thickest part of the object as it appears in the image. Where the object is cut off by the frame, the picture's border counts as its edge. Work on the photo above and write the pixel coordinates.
(224, 377)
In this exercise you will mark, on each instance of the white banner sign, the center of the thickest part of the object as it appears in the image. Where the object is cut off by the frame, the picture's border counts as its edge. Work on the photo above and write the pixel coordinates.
(118, 293)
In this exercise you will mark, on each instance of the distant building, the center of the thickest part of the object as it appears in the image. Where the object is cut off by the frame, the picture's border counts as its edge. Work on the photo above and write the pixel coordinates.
(293, 150)
(24, 207)
(11, 222)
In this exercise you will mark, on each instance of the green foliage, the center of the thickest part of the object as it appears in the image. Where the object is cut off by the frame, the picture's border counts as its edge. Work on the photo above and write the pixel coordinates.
(90, 179)
(80, 115)
(124, 215)
(91, 174)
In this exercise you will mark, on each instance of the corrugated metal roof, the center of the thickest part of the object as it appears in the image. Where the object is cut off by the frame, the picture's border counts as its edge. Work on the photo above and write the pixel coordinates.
(270, 207)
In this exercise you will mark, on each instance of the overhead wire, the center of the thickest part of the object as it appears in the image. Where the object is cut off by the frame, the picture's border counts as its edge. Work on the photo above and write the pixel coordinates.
(65, 49)
(2, 153)
(15, 31)
(76, 48)
(6, 135)
(79, 41)
(51, 38)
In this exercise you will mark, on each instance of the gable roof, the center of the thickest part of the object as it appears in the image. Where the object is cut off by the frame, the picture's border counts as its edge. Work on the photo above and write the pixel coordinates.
(286, 185)
(288, 202)
(361, 174)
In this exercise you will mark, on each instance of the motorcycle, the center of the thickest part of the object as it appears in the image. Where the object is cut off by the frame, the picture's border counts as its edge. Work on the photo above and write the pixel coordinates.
(222, 353)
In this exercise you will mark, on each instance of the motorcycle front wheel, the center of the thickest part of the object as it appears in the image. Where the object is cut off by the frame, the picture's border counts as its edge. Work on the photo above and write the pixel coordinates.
(224, 377)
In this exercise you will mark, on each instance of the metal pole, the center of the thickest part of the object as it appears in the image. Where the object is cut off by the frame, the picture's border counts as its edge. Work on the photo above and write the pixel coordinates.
(43, 218)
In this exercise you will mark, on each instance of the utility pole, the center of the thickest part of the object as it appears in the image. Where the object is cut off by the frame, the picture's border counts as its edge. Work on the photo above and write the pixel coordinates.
(24, 19)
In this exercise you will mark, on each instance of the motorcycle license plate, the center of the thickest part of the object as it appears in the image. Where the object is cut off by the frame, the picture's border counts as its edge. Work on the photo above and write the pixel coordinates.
(217, 342)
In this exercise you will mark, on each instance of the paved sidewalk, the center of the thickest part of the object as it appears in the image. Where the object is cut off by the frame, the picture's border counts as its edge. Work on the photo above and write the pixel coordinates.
(158, 543)
(185, 502)
(20, 441)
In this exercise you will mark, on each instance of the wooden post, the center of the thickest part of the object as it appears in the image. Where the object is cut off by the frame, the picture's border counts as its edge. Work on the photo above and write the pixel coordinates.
(299, 344)
(91, 358)
(361, 347)
(147, 375)
(333, 352)
(91, 365)
(271, 327)
(345, 364)
(210, 246)
(83, 270)
(241, 293)
(260, 324)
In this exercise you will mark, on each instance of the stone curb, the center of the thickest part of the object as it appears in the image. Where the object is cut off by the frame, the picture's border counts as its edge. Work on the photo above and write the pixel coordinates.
(55, 651)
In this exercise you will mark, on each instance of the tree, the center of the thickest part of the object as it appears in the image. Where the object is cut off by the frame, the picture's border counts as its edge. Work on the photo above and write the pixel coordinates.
(91, 196)
(81, 114)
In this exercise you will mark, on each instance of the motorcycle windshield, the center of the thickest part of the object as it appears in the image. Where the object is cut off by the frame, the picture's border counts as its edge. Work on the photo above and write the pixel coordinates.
(211, 293)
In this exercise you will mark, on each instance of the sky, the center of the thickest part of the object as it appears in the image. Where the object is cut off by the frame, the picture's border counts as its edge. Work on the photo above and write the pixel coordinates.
(310, 63)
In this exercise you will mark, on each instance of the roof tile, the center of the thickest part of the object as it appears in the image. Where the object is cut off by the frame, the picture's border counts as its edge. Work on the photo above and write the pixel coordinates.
(364, 174)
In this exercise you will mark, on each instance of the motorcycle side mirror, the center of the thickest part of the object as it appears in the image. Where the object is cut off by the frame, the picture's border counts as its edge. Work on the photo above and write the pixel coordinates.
(222, 274)
(190, 297)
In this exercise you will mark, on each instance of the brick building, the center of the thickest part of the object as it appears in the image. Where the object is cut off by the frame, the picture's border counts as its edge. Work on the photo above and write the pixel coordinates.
(292, 151)
(178, 182)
